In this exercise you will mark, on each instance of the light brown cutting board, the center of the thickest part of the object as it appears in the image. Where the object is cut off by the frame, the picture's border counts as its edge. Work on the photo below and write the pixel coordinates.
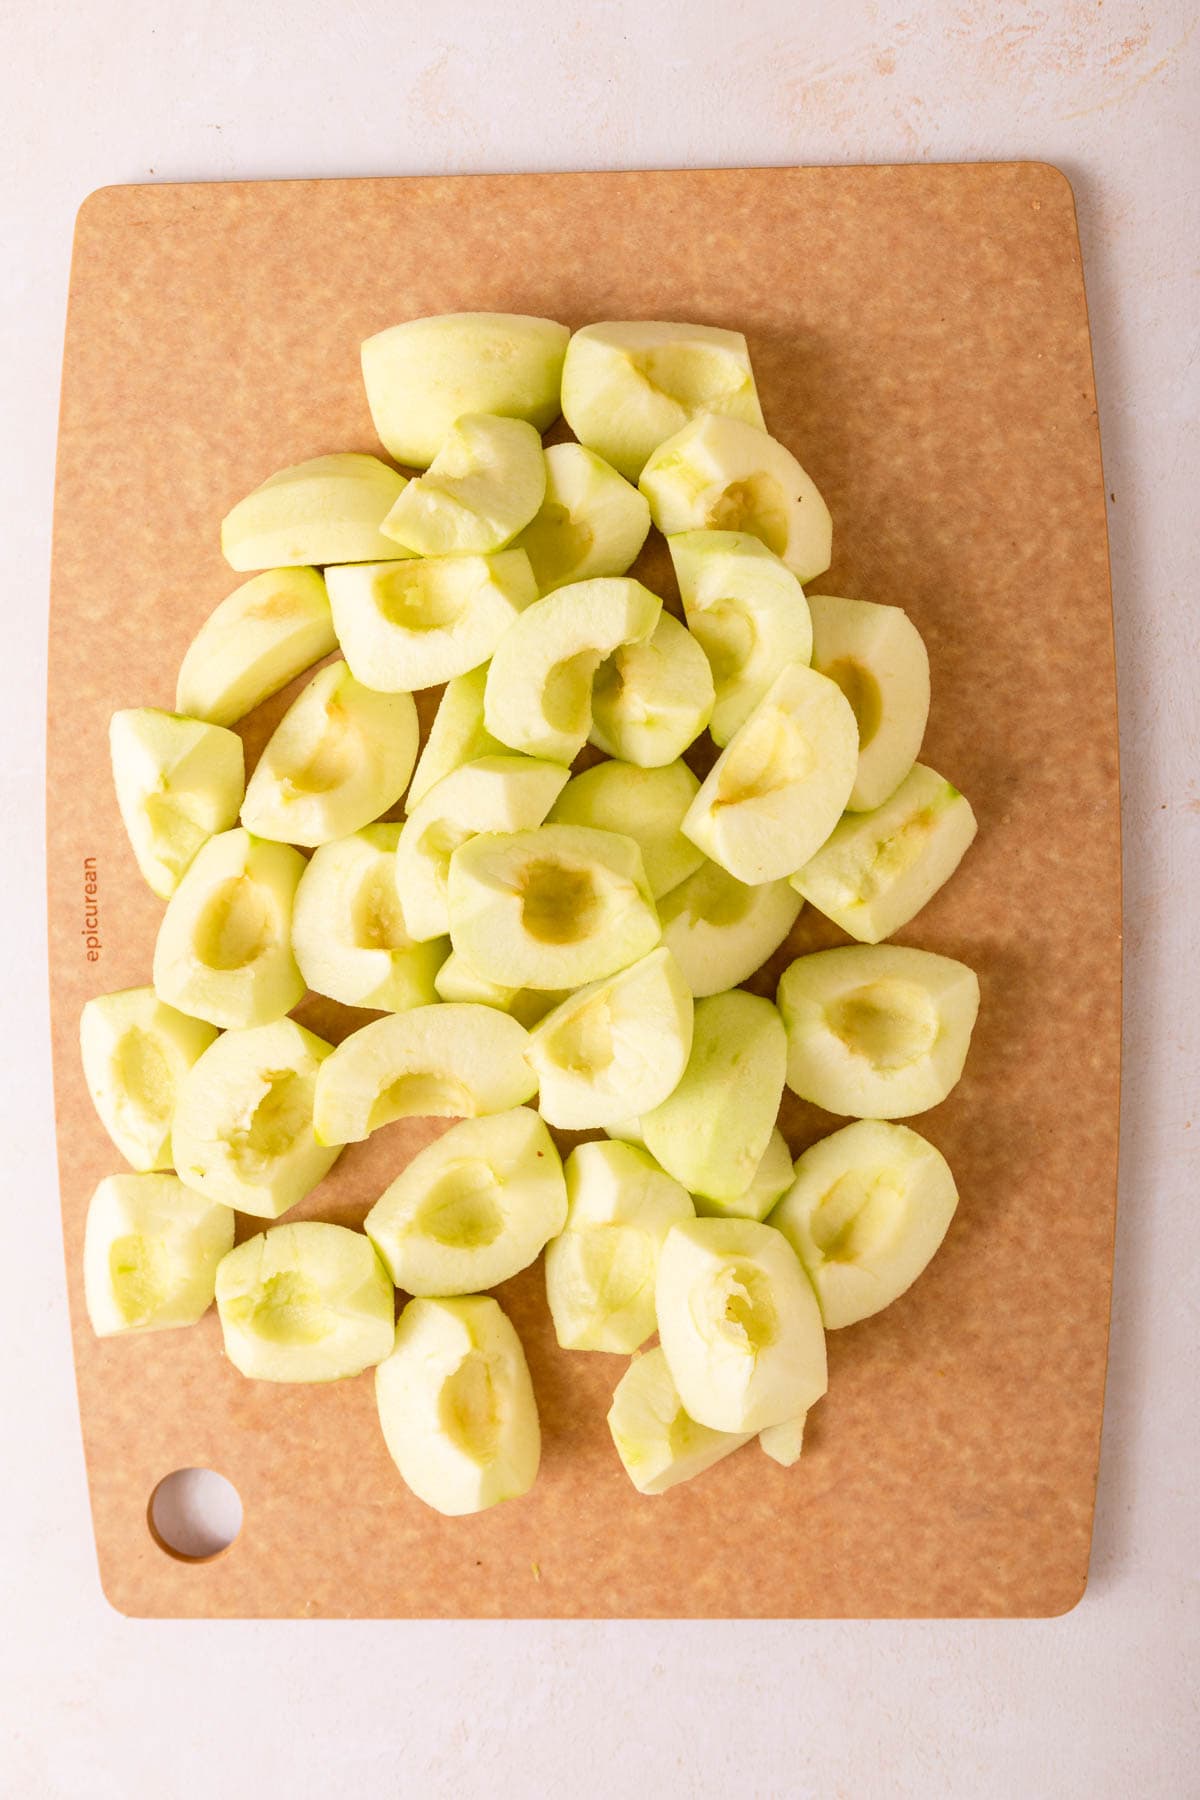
(920, 341)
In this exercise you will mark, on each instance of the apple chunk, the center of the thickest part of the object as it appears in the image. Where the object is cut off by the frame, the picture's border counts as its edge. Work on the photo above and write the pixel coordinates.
(422, 375)
(878, 659)
(600, 1271)
(457, 980)
(458, 734)
(150, 1253)
(651, 699)
(178, 781)
(539, 686)
(877, 1031)
(721, 474)
(778, 788)
(136, 1051)
(485, 483)
(305, 1302)
(341, 755)
(473, 1208)
(433, 1062)
(457, 1407)
(591, 520)
(258, 639)
(242, 1130)
(656, 1438)
(616, 1045)
(348, 931)
(327, 510)
(747, 611)
(879, 868)
(771, 1179)
(552, 907)
(629, 384)
(720, 930)
(648, 805)
(869, 1207)
(224, 950)
(784, 1442)
(404, 626)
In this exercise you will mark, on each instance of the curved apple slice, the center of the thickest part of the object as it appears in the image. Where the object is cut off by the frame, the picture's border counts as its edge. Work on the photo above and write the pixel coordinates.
(458, 734)
(651, 699)
(878, 659)
(151, 1248)
(647, 805)
(305, 1302)
(720, 930)
(656, 1438)
(258, 639)
(136, 1051)
(348, 931)
(178, 781)
(327, 510)
(771, 1180)
(486, 482)
(591, 521)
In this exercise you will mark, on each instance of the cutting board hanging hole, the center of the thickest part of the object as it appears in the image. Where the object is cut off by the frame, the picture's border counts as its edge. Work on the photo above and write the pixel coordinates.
(194, 1514)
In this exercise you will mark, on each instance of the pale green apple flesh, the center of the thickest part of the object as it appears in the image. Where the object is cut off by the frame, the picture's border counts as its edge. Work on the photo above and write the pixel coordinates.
(242, 1130)
(614, 1046)
(135, 1052)
(424, 374)
(720, 930)
(877, 1031)
(877, 869)
(656, 1438)
(867, 1211)
(151, 1248)
(784, 1442)
(781, 783)
(628, 1131)
(457, 1407)
(441, 1061)
(722, 474)
(648, 805)
(771, 1179)
(178, 781)
(340, 756)
(457, 980)
(327, 510)
(629, 384)
(305, 1302)
(409, 625)
(539, 685)
(600, 1271)
(550, 908)
(496, 793)
(473, 1208)
(739, 1324)
(224, 949)
(485, 483)
(591, 520)
(747, 611)
(258, 639)
(878, 659)
(458, 734)
(713, 1129)
(348, 932)
(651, 699)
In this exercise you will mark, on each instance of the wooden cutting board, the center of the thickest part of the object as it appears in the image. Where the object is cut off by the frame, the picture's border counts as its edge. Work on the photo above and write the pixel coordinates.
(920, 340)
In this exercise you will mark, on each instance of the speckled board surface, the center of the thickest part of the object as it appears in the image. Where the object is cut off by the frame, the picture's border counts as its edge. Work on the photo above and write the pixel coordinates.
(920, 340)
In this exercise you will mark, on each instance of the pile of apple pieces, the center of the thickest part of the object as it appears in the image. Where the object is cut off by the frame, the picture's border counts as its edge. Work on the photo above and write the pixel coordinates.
(525, 931)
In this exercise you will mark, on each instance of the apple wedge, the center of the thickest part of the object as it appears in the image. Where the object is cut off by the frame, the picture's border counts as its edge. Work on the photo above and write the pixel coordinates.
(629, 384)
(747, 612)
(539, 686)
(647, 805)
(770, 1181)
(305, 1302)
(457, 980)
(242, 1129)
(616, 1045)
(258, 639)
(591, 521)
(495, 793)
(722, 474)
(458, 734)
(657, 1440)
(410, 625)
(878, 659)
(550, 908)
(473, 1208)
(422, 375)
(652, 699)
(485, 483)
(720, 930)
(348, 931)
(327, 510)
(224, 950)
(779, 786)
(867, 1211)
(340, 756)
(136, 1051)
(877, 869)
(446, 1062)
(712, 1131)
(600, 1270)
(151, 1248)
(456, 1405)
(784, 1442)
(877, 1031)
(178, 781)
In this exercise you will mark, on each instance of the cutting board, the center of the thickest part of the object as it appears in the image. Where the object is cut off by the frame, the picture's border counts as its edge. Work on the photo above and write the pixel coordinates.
(920, 341)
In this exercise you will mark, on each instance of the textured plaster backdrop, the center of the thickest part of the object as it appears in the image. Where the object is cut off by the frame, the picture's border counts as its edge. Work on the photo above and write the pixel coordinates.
(1101, 1703)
